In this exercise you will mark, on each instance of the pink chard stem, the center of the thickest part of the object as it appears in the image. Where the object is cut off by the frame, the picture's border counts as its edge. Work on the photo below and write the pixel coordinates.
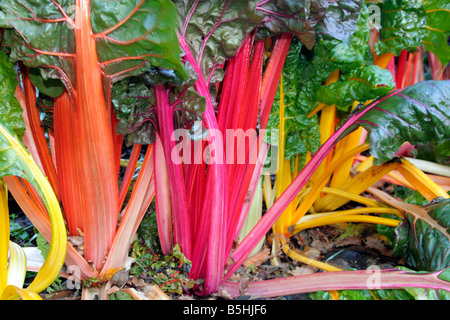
(182, 232)
(215, 191)
(339, 280)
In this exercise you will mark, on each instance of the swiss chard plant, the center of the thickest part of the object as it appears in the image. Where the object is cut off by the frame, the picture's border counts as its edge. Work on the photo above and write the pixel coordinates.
(196, 81)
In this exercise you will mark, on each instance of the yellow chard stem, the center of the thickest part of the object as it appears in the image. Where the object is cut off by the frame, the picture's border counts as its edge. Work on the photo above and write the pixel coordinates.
(4, 235)
(327, 125)
(58, 244)
(320, 183)
(12, 293)
(317, 109)
(416, 177)
(293, 254)
(326, 216)
(353, 197)
(356, 185)
(347, 218)
(350, 141)
(365, 164)
(57, 252)
(283, 175)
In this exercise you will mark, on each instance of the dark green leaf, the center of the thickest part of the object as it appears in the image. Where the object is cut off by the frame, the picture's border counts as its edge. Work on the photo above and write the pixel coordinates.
(131, 37)
(431, 152)
(417, 114)
(145, 38)
(349, 53)
(437, 28)
(50, 87)
(148, 231)
(402, 25)
(387, 231)
(308, 19)
(364, 84)
(302, 133)
(340, 19)
(424, 240)
(215, 30)
(409, 196)
(133, 101)
(35, 42)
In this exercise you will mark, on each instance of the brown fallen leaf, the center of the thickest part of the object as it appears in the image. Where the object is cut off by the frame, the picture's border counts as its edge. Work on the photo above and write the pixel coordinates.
(298, 271)
(258, 258)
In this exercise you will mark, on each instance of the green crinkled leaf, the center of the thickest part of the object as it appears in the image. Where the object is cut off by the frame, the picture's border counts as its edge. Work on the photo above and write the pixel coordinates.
(37, 43)
(134, 103)
(147, 31)
(424, 241)
(329, 55)
(302, 133)
(303, 74)
(418, 114)
(215, 30)
(437, 29)
(346, 55)
(131, 37)
(349, 53)
(364, 84)
(402, 25)
(10, 109)
(340, 19)
(307, 19)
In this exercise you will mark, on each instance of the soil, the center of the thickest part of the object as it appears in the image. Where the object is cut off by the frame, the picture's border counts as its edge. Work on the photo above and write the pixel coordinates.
(353, 248)
(358, 251)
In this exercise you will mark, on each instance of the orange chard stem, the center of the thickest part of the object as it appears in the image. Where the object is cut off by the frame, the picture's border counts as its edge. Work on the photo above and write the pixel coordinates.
(95, 145)
(134, 157)
(68, 163)
(39, 217)
(37, 131)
